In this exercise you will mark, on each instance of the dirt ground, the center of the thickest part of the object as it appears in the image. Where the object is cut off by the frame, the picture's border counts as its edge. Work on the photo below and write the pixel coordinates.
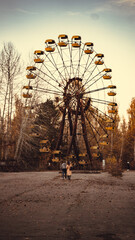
(41, 205)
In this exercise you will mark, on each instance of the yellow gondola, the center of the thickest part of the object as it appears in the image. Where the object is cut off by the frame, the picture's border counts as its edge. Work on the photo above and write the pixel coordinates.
(44, 150)
(99, 55)
(110, 121)
(76, 41)
(95, 155)
(107, 70)
(34, 135)
(27, 87)
(56, 156)
(94, 147)
(111, 93)
(50, 43)
(88, 48)
(71, 156)
(82, 162)
(99, 60)
(112, 104)
(106, 76)
(30, 76)
(56, 152)
(55, 160)
(44, 141)
(83, 155)
(104, 136)
(38, 52)
(113, 111)
(27, 95)
(38, 60)
(44, 146)
(49, 49)
(103, 143)
(63, 40)
(109, 128)
(112, 86)
(31, 68)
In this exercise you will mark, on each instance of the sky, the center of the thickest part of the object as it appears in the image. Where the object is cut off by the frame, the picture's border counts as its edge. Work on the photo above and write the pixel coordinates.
(109, 24)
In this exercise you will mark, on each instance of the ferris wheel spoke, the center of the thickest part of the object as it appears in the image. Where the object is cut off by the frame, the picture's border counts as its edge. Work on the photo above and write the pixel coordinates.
(52, 75)
(93, 129)
(55, 66)
(47, 91)
(87, 67)
(47, 81)
(45, 74)
(92, 82)
(96, 116)
(96, 90)
(88, 79)
(60, 74)
(71, 62)
(78, 66)
(97, 100)
(102, 113)
(62, 58)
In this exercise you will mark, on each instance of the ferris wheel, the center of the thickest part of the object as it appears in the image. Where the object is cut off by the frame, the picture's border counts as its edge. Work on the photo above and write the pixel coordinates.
(75, 77)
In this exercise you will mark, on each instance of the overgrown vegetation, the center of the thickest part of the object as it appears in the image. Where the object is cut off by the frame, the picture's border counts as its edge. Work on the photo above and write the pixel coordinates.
(114, 167)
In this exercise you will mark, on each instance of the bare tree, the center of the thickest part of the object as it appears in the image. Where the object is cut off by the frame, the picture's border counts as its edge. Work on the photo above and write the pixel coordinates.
(10, 69)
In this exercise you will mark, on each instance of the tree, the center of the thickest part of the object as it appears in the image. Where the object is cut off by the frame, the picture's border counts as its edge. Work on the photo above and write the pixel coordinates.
(10, 68)
(129, 146)
(47, 119)
(38, 123)
(123, 130)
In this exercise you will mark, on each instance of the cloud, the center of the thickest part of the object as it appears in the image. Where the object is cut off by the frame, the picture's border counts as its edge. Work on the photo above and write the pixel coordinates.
(130, 4)
(24, 11)
(70, 13)
(96, 12)
(125, 8)
(121, 8)
(126, 2)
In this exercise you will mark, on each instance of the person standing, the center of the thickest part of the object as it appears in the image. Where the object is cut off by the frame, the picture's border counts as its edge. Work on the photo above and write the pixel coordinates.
(69, 172)
(64, 170)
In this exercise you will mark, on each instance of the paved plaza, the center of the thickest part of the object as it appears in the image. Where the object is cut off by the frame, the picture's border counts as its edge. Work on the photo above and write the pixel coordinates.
(41, 205)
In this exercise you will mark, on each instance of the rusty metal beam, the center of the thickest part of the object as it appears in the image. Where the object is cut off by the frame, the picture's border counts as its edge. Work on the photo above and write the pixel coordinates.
(61, 129)
(74, 140)
(74, 128)
(85, 132)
